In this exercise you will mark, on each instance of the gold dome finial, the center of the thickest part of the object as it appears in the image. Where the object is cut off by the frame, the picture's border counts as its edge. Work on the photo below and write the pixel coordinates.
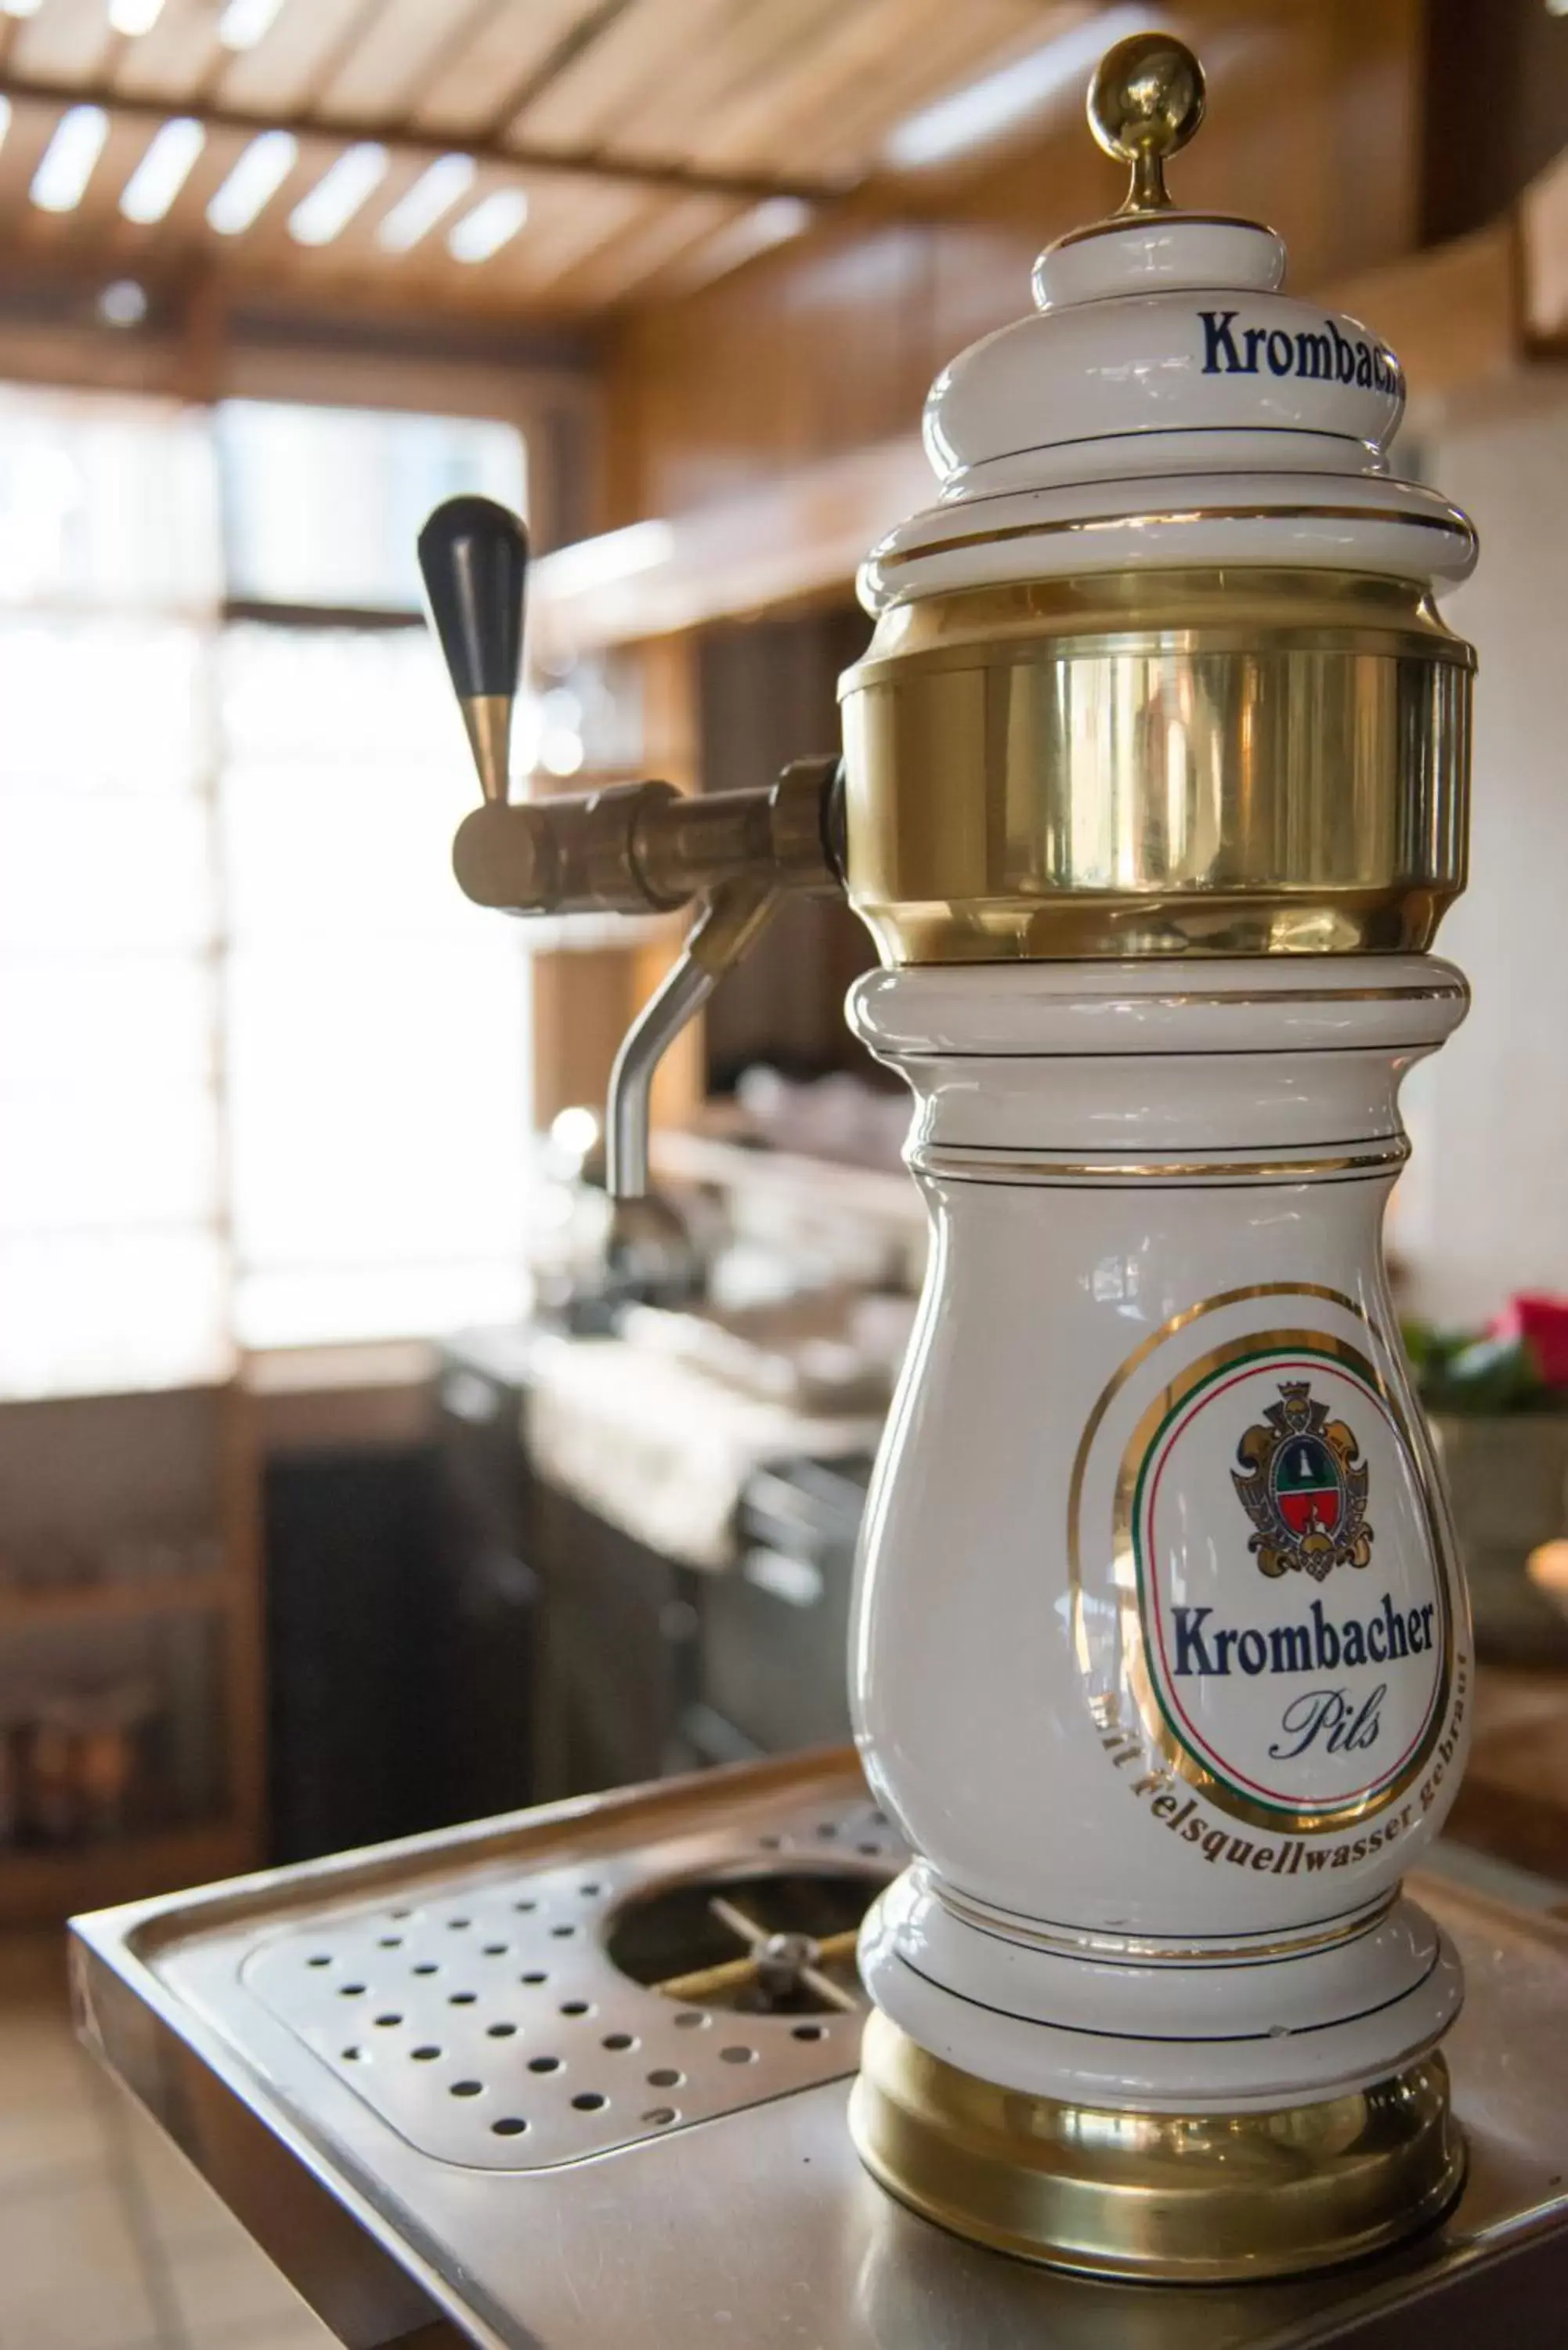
(1145, 103)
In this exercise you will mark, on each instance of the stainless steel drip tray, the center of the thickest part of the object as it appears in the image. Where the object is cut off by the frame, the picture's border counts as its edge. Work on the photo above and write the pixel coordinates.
(437, 2081)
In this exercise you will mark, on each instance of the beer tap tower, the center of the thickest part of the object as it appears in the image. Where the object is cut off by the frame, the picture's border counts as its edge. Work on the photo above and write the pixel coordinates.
(1153, 795)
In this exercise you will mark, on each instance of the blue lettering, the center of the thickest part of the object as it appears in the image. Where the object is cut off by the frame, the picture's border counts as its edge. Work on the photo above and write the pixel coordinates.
(1320, 355)
(1316, 1712)
(1321, 1644)
(1363, 1732)
(1398, 1639)
(1315, 356)
(1192, 1656)
(1220, 356)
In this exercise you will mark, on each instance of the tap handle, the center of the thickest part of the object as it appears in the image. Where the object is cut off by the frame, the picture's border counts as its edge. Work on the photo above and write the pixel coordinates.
(473, 558)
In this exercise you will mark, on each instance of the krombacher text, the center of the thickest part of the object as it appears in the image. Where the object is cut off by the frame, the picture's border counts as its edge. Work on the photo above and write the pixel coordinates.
(1321, 352)
(1321, 1644)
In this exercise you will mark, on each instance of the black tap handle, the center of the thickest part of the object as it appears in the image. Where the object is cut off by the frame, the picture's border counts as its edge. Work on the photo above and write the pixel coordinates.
(473, 558)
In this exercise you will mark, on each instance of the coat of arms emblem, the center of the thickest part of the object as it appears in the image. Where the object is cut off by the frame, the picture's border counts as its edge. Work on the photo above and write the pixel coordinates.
(1303, 1482)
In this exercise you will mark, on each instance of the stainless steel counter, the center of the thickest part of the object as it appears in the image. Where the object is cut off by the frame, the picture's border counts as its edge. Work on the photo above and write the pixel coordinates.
(742, 2220)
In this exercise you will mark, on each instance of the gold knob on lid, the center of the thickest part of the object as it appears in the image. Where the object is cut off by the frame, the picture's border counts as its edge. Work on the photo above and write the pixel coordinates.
(1145, 103)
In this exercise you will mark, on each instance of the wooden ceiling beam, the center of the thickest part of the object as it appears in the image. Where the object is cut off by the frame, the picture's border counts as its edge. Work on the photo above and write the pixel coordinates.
(573, 43)
(398, 138)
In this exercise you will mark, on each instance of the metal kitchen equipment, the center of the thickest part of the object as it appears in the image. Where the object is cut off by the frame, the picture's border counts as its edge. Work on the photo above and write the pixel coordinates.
(1153, 794)
(773, 1629)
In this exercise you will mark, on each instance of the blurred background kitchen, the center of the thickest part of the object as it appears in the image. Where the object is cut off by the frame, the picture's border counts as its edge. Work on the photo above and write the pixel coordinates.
(341, 1493)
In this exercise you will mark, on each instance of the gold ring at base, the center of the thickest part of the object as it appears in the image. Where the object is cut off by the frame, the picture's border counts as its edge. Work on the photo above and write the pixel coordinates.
(1176, 2198)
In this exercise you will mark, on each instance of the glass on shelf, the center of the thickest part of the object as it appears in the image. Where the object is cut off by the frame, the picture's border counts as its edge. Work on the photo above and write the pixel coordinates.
(110, 1728)
(83, 1761)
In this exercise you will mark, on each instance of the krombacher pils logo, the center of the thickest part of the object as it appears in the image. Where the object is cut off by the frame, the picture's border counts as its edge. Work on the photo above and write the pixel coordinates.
(1292, 1657)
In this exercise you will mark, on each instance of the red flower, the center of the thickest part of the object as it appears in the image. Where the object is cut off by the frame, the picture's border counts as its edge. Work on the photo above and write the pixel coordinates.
(1542, 1322)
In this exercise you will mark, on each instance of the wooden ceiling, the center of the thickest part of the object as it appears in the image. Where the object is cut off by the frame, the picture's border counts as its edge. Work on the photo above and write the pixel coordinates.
(655, 141)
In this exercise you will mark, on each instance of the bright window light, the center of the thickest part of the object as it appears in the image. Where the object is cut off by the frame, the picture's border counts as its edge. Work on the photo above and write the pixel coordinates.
(432, 193)
(253, 182)
(338, 195)
(60, 181)
(134, 16)
(195, 990)
(243, 23)
(20, 8)
(162, 170)
(970, 117)
(491, 223)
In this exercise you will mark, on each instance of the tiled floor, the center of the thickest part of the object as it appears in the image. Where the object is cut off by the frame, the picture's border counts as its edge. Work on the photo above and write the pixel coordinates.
(108, 2239)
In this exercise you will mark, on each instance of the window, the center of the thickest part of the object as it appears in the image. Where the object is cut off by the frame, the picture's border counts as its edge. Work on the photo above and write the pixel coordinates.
(322, 505)
(265, 1078)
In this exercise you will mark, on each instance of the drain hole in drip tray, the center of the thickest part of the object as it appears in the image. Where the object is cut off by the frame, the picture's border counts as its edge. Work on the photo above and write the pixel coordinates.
(770, 1942)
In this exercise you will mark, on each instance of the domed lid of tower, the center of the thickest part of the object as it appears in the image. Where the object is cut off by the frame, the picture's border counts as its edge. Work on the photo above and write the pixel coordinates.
(1167, 405)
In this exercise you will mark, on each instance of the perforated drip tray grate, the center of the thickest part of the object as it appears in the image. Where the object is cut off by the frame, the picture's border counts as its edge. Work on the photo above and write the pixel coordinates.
(517, 2019)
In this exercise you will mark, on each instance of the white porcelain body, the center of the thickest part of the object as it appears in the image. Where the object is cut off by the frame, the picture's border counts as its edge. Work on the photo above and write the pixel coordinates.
(1140, 518)
(1165, 404)
(1163, 362)
(1159, 1868)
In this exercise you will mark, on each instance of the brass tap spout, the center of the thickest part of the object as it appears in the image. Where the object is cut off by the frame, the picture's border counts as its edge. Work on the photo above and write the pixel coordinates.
(637, 849)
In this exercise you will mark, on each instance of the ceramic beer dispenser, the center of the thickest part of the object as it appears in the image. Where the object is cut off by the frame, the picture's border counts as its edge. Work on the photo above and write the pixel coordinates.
(1153, 795)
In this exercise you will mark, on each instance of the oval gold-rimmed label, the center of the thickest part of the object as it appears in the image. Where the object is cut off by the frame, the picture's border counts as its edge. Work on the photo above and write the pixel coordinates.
(1277, 1575)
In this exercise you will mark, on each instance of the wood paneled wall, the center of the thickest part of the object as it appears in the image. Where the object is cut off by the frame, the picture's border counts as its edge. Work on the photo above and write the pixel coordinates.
(1481, 152)
(830, 344)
